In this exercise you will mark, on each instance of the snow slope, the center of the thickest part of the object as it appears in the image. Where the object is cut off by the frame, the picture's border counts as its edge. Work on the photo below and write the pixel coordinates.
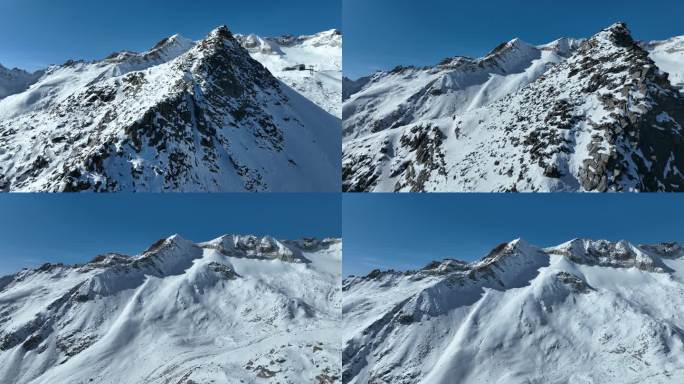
(456, 85)
(184, 116)
(283, 55)
(237, 309)
(581, 312)
(571, 115)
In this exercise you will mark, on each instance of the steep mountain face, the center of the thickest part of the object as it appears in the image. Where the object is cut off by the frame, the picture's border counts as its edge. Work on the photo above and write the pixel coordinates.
(235, 309)
(184, 116)
(311, 64)
(581, 312)
(573, 115)
(16, 80)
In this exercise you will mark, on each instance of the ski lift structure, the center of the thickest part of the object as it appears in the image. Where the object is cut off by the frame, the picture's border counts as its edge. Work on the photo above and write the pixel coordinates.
(301, 67)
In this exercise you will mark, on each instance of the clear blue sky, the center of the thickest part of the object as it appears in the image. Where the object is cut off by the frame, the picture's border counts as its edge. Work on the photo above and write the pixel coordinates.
(407, 231)
(381, 34)
(40, 228)
(36, 33)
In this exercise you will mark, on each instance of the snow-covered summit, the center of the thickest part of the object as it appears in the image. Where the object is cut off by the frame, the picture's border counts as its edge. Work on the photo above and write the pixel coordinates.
(457, 84)
(177, 311)
(563, 46)
(166, 49)
(329, 38)
(184, 116)
(573, 115)
(521, 314)
(259, 248)
(617, 254)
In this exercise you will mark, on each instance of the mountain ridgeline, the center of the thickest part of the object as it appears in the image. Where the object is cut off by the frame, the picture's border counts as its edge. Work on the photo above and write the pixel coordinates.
(581, 312)
(597, 114)
(223, 311)
(184, 116)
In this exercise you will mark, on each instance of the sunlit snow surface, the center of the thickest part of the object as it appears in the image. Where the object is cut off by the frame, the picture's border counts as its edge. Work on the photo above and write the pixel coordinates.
(185, 116)
(237, 309)
(321, 52)
(571, 115)
(582, 312)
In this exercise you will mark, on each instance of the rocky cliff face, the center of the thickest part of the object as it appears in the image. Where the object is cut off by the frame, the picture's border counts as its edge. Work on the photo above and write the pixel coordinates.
(185, 116)
(580, 311)
(599, 116)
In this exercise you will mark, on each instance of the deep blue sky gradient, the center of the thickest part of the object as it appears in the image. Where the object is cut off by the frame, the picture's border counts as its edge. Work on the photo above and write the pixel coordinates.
(381, 34)
(37, 33)
(406, 231)
(74, 228)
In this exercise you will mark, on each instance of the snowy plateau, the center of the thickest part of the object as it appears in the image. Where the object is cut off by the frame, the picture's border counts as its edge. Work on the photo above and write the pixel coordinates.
(237, 309)
(597, 114)
(583, 312)
(185, 116)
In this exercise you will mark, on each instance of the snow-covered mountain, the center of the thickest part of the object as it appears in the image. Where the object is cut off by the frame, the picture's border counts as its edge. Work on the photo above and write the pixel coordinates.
(572, 115)
(184, 116)
(669, 56)
(237, 309)
(350, 87)
(16, 80)
(310, 64)
(582, 312)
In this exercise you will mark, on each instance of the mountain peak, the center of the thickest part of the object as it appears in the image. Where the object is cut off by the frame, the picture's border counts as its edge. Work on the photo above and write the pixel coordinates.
(617, 254)
(619, 27)
(465, 324)
(596, 116)
(446, 266)
(564, 46)
(177, 117)
(618, 33)
(168, 40)
(174, 239)
(509, 46)
(222, 31)
(256, 247)
(69, 325)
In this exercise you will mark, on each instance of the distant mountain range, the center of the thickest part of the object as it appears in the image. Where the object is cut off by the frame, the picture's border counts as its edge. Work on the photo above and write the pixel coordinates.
(184, 116)
(597, 114)
(585, 311)
(312, 65)
(235, 309)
